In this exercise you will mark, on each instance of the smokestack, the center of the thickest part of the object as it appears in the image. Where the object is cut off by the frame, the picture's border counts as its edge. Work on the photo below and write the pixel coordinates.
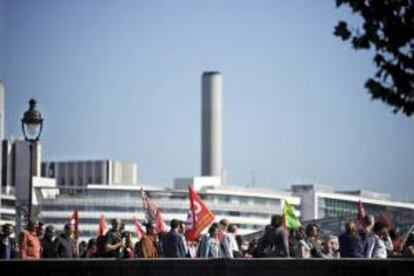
(211, 121)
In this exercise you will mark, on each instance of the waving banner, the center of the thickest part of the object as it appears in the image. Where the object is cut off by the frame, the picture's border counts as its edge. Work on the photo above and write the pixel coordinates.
(199, 216)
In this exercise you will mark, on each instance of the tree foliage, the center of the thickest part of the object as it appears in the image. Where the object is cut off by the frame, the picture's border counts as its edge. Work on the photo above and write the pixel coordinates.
(388, 29)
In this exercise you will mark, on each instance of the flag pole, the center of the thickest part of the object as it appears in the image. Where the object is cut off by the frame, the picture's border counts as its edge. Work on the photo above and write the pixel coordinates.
(143, 202)
(190, 190)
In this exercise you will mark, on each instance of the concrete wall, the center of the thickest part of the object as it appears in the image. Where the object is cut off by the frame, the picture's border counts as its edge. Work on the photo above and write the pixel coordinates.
(200, 267)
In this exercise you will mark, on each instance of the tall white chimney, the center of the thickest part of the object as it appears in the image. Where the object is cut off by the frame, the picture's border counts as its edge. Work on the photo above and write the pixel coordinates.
(1, 111)
(211, 124)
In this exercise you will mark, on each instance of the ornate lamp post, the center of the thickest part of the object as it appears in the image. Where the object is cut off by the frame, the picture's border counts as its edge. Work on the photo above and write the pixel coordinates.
(32, 124)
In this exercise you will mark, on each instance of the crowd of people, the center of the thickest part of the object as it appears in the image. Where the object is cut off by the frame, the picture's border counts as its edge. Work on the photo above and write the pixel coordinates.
(369, 239)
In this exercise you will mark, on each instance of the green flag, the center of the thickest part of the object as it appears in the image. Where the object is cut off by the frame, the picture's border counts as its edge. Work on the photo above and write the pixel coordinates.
(292, 222)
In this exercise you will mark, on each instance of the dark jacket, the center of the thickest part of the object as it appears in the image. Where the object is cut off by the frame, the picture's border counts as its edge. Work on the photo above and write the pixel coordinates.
(48, 248)
(9, 244)
(114, 237)
(275, 242)
(65, 247)
(351, 246)
(173, 245)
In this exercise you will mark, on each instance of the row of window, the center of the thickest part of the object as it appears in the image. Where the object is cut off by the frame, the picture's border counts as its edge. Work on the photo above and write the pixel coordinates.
(132, 209)
(81, 181)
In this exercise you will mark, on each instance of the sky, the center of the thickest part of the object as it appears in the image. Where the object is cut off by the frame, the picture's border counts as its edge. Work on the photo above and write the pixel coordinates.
(121, 80)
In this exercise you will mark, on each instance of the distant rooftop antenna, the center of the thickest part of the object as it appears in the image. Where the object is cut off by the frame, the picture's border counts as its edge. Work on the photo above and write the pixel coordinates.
(252, 179)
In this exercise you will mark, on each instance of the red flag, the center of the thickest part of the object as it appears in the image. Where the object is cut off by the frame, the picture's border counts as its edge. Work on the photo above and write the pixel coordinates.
(138, 228)
(152, 213)
(101, 226)
(199, 216)
(361, 212)
(74, 223)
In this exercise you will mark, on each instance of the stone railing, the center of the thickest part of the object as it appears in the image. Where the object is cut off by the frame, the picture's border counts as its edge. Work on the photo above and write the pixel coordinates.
(214, 267)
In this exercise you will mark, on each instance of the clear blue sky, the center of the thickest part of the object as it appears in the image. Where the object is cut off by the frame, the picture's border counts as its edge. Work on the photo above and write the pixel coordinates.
(121, 79)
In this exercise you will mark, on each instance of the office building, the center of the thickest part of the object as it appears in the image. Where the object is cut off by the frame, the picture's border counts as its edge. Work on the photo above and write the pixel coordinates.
(73, 176)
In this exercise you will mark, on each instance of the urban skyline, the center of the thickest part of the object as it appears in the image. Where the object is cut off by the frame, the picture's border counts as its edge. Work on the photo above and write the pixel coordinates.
(293, 112)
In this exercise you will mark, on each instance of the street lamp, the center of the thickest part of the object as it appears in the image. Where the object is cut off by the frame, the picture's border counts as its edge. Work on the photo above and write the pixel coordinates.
(32, 124)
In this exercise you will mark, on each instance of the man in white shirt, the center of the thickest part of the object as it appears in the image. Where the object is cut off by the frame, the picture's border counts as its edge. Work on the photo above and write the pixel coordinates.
(224, 237)
(234, 247)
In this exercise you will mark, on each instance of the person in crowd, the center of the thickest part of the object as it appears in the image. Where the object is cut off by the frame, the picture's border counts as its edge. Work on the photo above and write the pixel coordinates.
(367, 225)
(330, 248)
(172, 242)
(39, 229)
(192, 249)
(379, 242)
(350, 242)
(91, 249)
(82, 249)
(233, 245)
(65, 245)
(397, 242)
(48, 246)
(275, 239)
(408, 252)
(8, 248)
(334, 240)
(128, 252)
(241, 242)
(181, 231)
(148, 245)
(252, 250)
(29, 244)
(244, 247)
(210, 243)
(301, 248)
(114, 245)
(225, 239)
(408, 245)
(291, 242)
(137, 249)
(101, 247)
(313, 241)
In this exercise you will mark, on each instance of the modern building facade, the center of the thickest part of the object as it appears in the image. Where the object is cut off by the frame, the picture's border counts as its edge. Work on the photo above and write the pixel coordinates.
(15, 168)
(15, 175)
(250, 209)
(7, 208)
(73, 176)
(323, 203)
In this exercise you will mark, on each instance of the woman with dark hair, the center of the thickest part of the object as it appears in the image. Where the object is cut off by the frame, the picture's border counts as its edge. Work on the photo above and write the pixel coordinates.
(274, 242)
(100, 247)
(377, 243)
(313, 241)
(82, 249)
(210, 243)
(91, 249)
(128, 249)
(300, 247)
